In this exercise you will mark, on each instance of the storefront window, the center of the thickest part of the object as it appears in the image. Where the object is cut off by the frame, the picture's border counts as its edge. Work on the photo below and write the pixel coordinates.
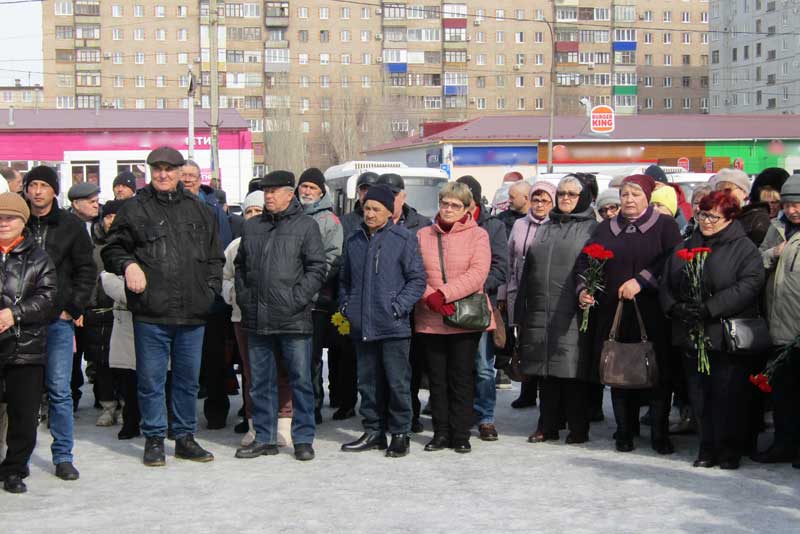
(85, 171)
(138, 170)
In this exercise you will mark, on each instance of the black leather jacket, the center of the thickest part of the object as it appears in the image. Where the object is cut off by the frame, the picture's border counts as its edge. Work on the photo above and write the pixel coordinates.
(32, 302)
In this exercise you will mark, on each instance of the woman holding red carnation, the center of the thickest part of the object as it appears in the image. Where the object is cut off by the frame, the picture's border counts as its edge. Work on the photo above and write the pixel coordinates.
(733, 277)
(548, 317)
(640, 239)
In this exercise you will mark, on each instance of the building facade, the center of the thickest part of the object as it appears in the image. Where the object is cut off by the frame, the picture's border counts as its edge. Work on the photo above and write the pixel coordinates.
(21, 96)
(755, 55)
(318, 80)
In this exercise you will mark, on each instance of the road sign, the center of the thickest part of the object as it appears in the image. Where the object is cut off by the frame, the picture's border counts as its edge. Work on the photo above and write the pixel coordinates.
(684, 163)
(602, 119)
(738, 163)
(446, 168)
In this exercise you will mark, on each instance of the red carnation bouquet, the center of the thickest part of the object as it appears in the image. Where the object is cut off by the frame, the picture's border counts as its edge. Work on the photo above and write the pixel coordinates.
(762, 379)
(695, 259)
(594, 277)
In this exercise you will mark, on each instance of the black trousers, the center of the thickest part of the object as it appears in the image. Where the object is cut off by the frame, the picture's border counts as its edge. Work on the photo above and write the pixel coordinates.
(559, 397)
(342, 372)
(23, 385)
(419, 364)
(627, 402)
(786, 400)
(719, 401)
(320, 320)
(125, 380)
(215, 369)
(451, 373)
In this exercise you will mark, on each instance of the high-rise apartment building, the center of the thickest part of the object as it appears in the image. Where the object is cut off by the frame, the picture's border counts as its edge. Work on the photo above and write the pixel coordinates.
(320, 79)
(755, 56)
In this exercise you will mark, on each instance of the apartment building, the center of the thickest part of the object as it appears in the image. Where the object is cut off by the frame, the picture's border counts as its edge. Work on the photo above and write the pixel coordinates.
(21, 96)
(755, 56)
(320, 79)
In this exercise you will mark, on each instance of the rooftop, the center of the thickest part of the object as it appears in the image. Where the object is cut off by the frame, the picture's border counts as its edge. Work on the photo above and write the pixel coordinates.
(117, 119)
(518, 128)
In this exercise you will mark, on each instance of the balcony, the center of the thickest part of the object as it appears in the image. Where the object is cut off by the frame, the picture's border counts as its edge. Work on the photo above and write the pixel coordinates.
(276, 21)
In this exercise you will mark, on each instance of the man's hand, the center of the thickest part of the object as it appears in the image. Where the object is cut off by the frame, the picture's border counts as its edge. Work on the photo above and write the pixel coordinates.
(6, 319)
(135, 279)
(585, 300)
(778, 250)
(629, 289)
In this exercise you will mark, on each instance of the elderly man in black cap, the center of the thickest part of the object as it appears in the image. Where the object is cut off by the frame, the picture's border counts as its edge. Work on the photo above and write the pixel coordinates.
(280, 266)
(318, 204)
(65, 239)
(164, 241)
(407, 217)
(124, 185)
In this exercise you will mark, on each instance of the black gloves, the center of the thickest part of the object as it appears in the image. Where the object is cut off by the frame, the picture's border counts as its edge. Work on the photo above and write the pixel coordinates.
(690, 312)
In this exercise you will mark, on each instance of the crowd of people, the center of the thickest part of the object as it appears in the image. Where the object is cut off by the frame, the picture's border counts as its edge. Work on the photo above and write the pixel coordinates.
(164, 292)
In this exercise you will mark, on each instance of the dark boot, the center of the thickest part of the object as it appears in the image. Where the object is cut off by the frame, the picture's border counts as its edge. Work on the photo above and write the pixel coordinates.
(67, 471)
(303, 452)
(154, 452)
(14, 484)
(399, 446)
(256, 449)
(438, 443)
(367, 442)
(186, 448)
(343, 413)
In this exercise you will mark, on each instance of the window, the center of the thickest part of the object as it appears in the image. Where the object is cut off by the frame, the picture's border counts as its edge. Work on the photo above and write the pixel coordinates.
(686, 18)
(138, 58)
(520, 81)
(324, 59)
(62, 80)
(519, 37)
(500, 37)
(668, 81)
(251, 10)
(183, 34)
(87, 31)
(325, 81)
(65, 102)
(324, 12)
(345, 36)
(138, 81)
(648, 103)
(667, 60)
(501, 103)
(65, 32)
(602, 13)
(454, 11)
(456, 34)
(480, 103)
(500, 59)
(687, 103)
(161, 11)
(667, 38)
(277, 55)
(117, 34)
(161, 34)
(302, 12)
(667, 16)
(648, 81)
(182, 11)
(141, 105)
(365, 82)
(183, 58)
(87, 7)
(519, 14)
(626, 35)
(324, 36)
(480, 82)
(538, 37)
(624, 13)
(88, 79)
(365, 12)
(520, 103)
(648, 38)
(116, 58)
(539, 104)
(366, 59)
(305, 81)
(704, 17)
(686, 82)
(161, 81)
(686, 60)
(88, 55)
(161, 58)
(365, 36)
(138, 34)
(648, 16)
(625, 101)
(138, 11)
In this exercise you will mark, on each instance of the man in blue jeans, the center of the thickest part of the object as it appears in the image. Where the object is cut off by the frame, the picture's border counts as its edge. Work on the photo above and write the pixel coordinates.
(280, 266)
(65, 239)
(382, 278)
(165, 241)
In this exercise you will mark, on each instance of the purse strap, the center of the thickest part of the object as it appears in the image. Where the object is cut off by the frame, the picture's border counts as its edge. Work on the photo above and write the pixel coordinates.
(441, 256)
(612, 335)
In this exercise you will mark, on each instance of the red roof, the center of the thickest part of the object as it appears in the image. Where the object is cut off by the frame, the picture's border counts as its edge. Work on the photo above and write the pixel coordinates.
(117, 119)
(517, 128)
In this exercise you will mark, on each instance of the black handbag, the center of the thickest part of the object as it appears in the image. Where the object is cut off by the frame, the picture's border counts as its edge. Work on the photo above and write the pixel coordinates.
(472, 312)
(746, 335)
(628, 365)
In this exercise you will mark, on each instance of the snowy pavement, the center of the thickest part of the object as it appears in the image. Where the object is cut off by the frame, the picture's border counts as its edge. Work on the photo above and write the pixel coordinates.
(504, 486)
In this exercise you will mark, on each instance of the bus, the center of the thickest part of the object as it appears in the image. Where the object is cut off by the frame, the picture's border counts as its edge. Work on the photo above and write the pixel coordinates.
(422, 184)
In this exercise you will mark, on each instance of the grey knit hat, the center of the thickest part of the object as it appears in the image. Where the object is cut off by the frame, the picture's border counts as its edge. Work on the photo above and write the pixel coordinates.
(733, 176)
(256, 198)
(790, 192)
(608, 197)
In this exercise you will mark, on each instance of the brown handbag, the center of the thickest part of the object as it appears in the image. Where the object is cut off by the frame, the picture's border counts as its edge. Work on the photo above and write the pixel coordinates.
(499, 334)
(628, 365)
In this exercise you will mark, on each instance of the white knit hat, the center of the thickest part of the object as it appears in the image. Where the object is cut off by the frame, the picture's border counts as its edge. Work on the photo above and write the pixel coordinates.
(256, 198)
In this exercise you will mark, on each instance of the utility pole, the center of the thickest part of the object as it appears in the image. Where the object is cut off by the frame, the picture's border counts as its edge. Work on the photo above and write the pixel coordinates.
(213, 55)
(191, 113)
(551, 127)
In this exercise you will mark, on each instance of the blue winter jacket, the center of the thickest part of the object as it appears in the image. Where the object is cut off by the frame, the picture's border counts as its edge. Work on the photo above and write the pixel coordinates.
(381, 280)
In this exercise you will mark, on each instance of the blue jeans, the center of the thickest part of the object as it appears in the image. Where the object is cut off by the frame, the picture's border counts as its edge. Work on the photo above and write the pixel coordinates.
(384, 381)
(296, 354)
(485, 390)
(155, 345)
(58, 374)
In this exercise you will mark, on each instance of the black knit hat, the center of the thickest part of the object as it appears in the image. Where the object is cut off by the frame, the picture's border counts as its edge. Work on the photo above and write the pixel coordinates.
(42, 173)
(126, 178)
(382, 194)
(474, 187)
(773, 177)
(112, 207)
(656, 173)
(278, 179)
(313, 175)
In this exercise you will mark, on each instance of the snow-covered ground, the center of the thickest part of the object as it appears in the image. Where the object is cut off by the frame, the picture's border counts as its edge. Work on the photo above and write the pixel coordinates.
(504, 486)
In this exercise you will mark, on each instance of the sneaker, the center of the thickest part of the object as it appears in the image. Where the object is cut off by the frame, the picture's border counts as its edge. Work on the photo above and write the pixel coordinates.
(186, 448)
(501, 380)
(154, 452)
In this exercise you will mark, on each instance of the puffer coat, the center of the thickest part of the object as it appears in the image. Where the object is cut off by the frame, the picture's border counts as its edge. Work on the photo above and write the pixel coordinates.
(547, 308)
(32, 302)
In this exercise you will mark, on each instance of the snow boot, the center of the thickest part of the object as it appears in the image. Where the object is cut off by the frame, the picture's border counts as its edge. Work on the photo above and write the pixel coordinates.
(107, 416)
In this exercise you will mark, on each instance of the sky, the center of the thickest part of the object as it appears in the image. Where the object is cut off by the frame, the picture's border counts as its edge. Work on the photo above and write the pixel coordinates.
(21, 45)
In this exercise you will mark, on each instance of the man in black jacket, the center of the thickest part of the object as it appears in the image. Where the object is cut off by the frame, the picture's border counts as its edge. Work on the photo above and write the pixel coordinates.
(65, 239)
(352, 221)
(165, 242)
(485, 392)
(280, 266)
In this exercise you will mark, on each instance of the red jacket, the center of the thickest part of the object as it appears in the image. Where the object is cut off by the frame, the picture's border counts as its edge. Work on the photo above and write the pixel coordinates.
(467, 258)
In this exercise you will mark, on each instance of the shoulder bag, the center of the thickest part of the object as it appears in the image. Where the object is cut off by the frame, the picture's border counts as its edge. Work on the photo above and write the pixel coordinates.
(746, 336)
(628, 365)
(472, 312)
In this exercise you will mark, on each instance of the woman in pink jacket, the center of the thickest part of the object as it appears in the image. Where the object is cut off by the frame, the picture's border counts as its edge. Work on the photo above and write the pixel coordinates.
(450, 351)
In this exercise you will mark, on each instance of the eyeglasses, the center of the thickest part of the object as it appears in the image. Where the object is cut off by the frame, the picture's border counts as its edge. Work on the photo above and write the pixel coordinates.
(606, 209)
(455, 206)
(567, 194)
(541, 201)
(705, 216)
